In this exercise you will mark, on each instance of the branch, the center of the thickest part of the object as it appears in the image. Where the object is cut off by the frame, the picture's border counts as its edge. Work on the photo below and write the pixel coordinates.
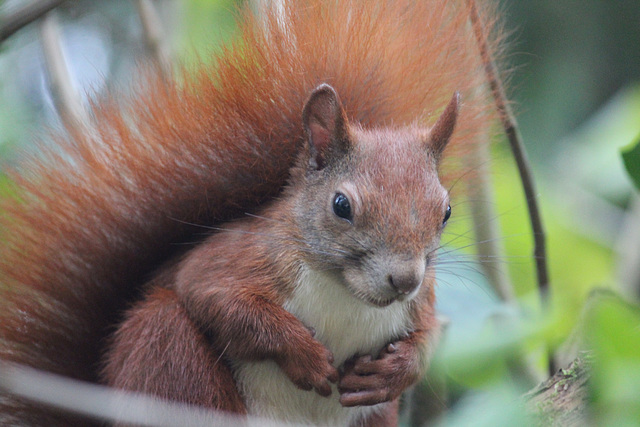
(100, 402)
(515, 141)
(64, 94)
(22, 17)
(563, 399)
(627, 249)
(486, 228)
(155, 43)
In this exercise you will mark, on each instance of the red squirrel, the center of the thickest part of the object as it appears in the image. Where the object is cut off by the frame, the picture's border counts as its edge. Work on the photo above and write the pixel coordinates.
(338, 272)
(87, 223)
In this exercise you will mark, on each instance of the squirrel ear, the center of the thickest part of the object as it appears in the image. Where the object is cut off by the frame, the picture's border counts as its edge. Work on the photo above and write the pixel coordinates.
(325, 126)
(442, 130)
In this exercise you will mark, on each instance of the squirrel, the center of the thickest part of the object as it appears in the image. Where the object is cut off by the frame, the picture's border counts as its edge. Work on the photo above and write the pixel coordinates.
(310, 149)
(340, 265)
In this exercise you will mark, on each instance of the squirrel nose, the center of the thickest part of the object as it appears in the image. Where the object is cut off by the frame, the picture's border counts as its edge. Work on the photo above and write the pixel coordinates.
(405, 279)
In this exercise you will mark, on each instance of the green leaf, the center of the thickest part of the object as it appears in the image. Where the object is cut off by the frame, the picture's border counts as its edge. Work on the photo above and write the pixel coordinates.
(631, 158)
(614, 334)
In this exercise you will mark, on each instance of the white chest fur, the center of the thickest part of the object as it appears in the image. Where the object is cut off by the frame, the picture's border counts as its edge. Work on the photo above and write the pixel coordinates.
(347, 326)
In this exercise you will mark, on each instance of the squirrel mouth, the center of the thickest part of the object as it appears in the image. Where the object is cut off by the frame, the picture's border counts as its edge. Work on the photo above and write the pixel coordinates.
(380, 303)
(385, 301)
(379, 299)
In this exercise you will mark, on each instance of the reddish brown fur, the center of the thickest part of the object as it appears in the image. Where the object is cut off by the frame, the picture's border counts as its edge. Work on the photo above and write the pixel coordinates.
(194, 374)
(234, 285)
(86, 222)
(159, 324)
(237, 297)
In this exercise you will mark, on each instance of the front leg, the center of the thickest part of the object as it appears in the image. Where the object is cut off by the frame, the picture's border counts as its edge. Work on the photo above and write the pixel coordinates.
(249, 324)
(367, 381)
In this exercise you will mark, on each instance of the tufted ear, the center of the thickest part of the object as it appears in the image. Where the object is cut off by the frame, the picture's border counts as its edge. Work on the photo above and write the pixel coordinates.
(325, 126)
(442, 130)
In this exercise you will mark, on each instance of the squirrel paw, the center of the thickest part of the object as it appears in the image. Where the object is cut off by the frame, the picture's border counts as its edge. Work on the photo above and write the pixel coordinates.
(367, 381)
(311, 368)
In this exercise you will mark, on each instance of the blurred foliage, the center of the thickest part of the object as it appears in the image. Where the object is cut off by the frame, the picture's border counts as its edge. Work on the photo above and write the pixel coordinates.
(570, 57)
(207, 25)
(610, 333)
(614, 334)
(631, 157)
(487, 337)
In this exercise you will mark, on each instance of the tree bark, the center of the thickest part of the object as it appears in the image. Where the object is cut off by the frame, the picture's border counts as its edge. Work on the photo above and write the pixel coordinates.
(562, 400)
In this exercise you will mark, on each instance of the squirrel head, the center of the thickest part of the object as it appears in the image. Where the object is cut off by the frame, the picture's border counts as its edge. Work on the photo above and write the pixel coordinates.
(368, 202)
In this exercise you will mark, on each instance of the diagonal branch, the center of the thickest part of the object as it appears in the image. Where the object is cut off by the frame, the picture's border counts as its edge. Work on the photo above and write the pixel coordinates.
(66, 99)
(154, 36)
(515, 141)
(102, 403)
(16, 20)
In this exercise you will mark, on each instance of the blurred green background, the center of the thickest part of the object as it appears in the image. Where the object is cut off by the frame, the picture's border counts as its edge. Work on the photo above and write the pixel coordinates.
(573, 72)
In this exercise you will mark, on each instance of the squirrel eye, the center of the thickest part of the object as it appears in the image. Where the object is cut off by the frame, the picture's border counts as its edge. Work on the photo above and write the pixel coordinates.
(342, 207)
(447, 215)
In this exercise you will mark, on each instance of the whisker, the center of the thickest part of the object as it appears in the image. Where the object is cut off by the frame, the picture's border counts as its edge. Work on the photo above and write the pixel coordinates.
(265, 218)
(310, 245)
(480, 242)
(462, 280)
(342, 245)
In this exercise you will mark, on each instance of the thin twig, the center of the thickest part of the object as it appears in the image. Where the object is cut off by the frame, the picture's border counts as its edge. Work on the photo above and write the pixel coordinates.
(155, 42)
(16, 20)
(64, 94)
(517, 148)
(486, 229)
(627, 249)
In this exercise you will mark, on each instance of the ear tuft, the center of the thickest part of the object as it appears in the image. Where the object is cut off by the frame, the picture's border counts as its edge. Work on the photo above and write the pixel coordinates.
(325, 126)
(442, 130)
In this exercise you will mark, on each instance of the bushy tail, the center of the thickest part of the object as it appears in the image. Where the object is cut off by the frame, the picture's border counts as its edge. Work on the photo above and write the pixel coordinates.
(88, 219)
